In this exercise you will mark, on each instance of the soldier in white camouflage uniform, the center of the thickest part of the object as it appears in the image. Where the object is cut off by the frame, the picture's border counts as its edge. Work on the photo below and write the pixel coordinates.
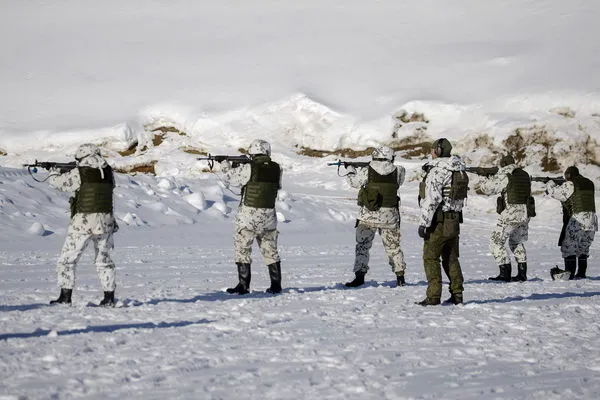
(92, 221)
(513, 185)
(379, 212)
(580, 222)
(442, 195)
(256, 217)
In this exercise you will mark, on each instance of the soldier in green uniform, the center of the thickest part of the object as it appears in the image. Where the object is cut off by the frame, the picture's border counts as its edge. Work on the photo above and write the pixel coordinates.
(442, 194)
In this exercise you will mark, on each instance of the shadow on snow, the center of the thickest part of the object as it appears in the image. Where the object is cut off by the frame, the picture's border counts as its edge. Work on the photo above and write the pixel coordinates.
(535, 296)
(102, 329)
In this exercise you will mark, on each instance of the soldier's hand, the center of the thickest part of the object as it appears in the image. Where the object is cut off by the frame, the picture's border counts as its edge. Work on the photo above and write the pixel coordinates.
(350, 169)
(423, 232)
(225, 165)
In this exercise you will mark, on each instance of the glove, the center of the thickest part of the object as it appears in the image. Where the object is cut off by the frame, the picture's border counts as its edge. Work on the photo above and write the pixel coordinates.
(350, 169)
(423, 232)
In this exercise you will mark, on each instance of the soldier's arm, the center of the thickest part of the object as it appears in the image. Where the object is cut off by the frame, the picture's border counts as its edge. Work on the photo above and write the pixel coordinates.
(68, 182)
(434, 184)
(562, 192)
(359, 178)
(493, 185)
(238, 176)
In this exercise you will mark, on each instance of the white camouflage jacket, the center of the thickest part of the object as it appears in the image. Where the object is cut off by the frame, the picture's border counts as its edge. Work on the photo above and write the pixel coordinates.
(513, 213)
(587, 220)
(91, 223)
(385, 217)
(251, 218)
(439, 176)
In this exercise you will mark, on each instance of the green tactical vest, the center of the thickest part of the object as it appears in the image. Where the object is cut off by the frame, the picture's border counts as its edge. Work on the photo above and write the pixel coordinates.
(380, 191)
(458, 189)
(95, 195)
(459, 186)
(519, 187)
(261, 189)
(582, 199)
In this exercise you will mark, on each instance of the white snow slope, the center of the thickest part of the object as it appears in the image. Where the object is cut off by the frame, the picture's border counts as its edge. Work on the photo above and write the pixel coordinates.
(321, 74)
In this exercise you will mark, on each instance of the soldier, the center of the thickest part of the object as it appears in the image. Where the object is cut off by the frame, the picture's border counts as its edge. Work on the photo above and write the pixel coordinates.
(379, 212)
(580, 222)
(442, 194)
(513, 185)
(256, 217)
(92, 220)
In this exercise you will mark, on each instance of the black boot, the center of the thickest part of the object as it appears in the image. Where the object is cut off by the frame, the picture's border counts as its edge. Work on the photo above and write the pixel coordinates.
(109, 299)
(275, 275)
(504, 274)
(358, 280)
(64, 297)
(428, 302)
(244, 276)
(571, 266)
(456, 298)
(521, 273)
(565, 274)
(400, 280)
(581, 267)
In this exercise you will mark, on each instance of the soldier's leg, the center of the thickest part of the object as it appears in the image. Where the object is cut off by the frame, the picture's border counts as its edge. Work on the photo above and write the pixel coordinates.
(364, 241)
(432, 251)
(391, 243)
(267, 242)
(105, 267)
(500, 253)
(451, 252)
(242, 246)
(585, 241)
(71, 252)
(498, 244)
(516, 239)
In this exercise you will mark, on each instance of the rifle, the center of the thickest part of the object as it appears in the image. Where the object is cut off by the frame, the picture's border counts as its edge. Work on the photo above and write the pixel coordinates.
(355, 164)
(559, 180)
(235, 160)
(483, 171)
(48, 165)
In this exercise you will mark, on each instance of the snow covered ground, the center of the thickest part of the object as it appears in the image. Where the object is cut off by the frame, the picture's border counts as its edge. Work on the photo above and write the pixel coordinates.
(317, 74)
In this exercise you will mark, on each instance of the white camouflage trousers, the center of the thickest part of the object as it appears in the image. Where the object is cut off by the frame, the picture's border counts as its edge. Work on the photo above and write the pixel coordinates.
(516, 234)
(267, 243)
(73, 248)
(391, 243)
(577, 241)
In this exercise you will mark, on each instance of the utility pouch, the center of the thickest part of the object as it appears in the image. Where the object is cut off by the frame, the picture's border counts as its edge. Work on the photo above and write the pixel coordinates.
(451, 227)
(500, 204)
(370, 198)
(530, 207)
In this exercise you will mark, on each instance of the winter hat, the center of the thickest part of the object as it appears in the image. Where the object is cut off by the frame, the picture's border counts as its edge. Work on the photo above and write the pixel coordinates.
(259, 147)
(86, 150)
(571, 173)
(506, 159)
(383, 153)
(442, 147)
